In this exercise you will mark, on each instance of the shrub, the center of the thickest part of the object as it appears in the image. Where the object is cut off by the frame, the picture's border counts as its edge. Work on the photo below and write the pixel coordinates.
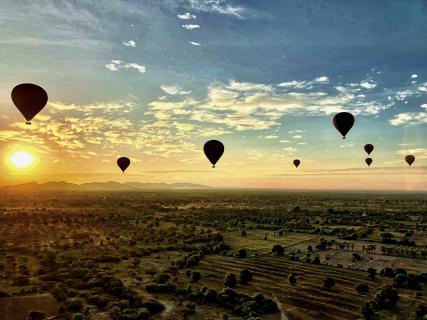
(245, 276)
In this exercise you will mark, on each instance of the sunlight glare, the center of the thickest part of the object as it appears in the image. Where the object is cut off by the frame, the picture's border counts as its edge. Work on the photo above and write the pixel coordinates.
(22, 159)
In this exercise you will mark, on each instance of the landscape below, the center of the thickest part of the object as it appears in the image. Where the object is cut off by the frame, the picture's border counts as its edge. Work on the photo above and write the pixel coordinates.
(204, 253)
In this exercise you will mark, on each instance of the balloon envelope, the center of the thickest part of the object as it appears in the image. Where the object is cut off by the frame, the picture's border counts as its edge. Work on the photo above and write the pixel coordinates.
(213, 150)
(368, 161)
(30, 99)
(123, 163)
(343, 122)
(296, 163)
(369, 148)
(410, 159)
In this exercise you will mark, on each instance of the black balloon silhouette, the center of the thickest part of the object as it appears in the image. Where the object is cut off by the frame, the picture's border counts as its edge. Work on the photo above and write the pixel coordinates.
(123, 163)
(410, 159)
(296, 163)
(30, 99)
(368, 161)
(368, 148)
(343, 122)
(213, 150)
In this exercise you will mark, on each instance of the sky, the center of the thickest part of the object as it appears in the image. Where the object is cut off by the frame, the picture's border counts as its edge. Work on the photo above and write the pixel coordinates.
(154, 80)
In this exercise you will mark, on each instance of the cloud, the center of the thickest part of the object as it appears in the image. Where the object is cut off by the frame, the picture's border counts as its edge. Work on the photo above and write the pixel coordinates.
(412, 118)
(296, 131)
(116, 65)
(245, 106)
(196, 44)
(420, 153)
(186, 16)
(271, 136)
(423, 87)
(130, 43)
(368, 84)
(190, 26)
(414, 76)
(290, 150)
(322, 79)
(174, 90)
(298, 136)
(216, 6)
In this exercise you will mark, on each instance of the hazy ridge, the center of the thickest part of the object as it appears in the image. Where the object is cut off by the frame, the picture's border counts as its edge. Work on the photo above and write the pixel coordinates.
(99, 186)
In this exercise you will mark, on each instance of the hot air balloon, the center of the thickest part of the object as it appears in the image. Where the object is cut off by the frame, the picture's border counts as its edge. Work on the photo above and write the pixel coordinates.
(343, 122)
(123, 163)
(410, 159)
(213, 150)
(30, 99)
(296, 163)
(368, 161)
(368, 148)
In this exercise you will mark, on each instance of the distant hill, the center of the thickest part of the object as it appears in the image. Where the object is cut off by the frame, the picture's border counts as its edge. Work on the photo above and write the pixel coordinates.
(99, 186)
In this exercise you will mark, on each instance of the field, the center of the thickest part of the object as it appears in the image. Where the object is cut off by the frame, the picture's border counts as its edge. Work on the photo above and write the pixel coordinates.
(212, 254)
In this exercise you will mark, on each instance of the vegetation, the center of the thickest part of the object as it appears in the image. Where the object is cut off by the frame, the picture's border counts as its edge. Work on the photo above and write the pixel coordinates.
(212, 254)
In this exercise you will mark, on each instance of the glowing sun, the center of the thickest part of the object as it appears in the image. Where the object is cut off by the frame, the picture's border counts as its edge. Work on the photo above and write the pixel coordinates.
(21, 159)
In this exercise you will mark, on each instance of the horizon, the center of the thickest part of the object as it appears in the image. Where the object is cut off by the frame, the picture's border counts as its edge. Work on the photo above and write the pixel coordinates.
(266, 80)
(201, 187)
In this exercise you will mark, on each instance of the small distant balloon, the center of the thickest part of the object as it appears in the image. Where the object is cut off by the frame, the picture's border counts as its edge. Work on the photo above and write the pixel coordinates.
(123, 163)
(343, 122)
(410, 159)
(297, 163)
(30, 99)
(368, 161)
(369, 148)
(213, 150)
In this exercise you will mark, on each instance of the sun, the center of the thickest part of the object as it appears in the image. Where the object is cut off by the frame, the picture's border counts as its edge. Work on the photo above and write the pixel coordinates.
(21, 159)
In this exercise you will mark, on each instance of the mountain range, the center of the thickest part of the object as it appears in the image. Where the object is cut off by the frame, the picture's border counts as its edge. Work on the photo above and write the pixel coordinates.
(99, 186)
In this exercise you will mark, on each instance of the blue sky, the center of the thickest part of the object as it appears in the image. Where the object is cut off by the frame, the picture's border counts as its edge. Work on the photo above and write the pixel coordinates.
(155, 79)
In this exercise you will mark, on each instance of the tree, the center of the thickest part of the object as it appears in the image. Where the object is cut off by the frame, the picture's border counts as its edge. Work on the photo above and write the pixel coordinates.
(372, 273)
(362, 288)
(241, 253)
(386, 297)
(388, 272)
(245, 276)
(310, 248)
(230, 280)
(243, 233)
(368, 310)
(421, 311)
(328, 283)
(278, 250)
(195, 276)
(292, 280)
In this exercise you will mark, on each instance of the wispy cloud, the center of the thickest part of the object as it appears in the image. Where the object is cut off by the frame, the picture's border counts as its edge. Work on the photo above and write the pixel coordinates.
(190, 26)
(186, 16)
(116, 65)
(174, 90)
(216, 6)
(197, 44)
